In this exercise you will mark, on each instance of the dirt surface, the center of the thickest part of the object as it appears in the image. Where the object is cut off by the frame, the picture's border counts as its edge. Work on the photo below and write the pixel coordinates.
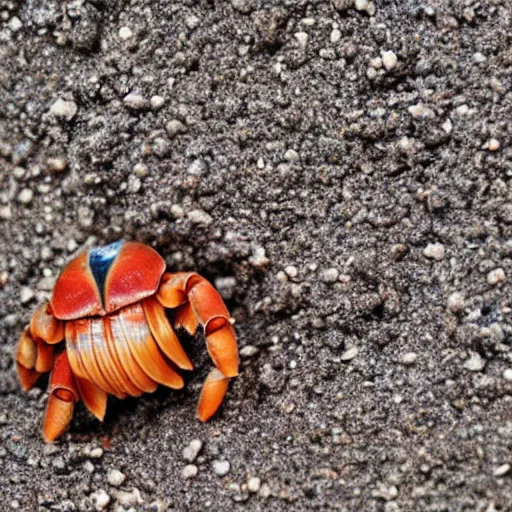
(342, 171)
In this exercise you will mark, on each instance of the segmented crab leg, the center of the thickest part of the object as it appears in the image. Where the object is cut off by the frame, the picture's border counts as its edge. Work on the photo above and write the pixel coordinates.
(35, 353)
(200, 303)
(63, 395)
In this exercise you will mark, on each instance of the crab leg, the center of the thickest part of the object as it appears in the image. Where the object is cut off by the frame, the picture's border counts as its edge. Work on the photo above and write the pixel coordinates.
(200, 303)
(35, 353)
(63, 395)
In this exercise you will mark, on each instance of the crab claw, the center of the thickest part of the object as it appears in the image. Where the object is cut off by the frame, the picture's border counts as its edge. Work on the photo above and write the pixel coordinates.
(212, 395)
(61, 403)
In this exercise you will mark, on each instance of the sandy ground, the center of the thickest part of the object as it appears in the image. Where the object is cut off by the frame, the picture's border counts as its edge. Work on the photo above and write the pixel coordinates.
(343, 172)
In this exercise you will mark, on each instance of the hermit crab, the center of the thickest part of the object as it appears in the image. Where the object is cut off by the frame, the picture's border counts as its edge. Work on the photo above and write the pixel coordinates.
(106, 331)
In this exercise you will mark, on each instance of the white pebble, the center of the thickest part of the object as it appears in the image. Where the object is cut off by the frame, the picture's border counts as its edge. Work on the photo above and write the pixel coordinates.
(434, 251)
(26, 294)
(447, 126)
(115, 477)
(291, 271)
(249, 351)
(507, 374)
(100, 499)
(135, 101)
(191, 451)
(221, 467)
(157, 102)
(335, 36)
(330, 275)
(15, 24)
(140, 170)
(349, 354)
(199, 217)
(129, 499)
(291, 155)
(125, 33)
(25, 196)
(192, 22)
(502, 470)
(389, 59)
(496, 276)
(494, 145)
(462, 110)
(456, 302)
(58, 164)
(189, 471)
(96, 453)
(302, 38)
(253, 485)
(479, 57)
(175, 127)
(258, 258)
(361, 5)
(409, 358)
(419, 111)
(475, 363)
(64, 109)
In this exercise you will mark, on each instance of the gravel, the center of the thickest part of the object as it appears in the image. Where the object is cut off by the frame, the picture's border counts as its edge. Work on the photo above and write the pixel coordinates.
(342, 171)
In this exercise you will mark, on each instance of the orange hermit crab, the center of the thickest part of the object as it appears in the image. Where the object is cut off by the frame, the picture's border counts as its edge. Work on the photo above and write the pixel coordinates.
(105, 331)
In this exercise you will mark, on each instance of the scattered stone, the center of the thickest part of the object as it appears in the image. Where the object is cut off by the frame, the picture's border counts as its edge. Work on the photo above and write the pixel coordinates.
(191, 452)
(89, 467)
(335, 36)
(258, 258)
(475, 363)
(447, 126)
(302, 38)
(330, 275)
(115, 477)
(129, 499)
(291, 271)
(501, 470)
(249, 351)
(157, 102)
(456, 302)
(175, 127)
(100, 499)
(419, 111)
(197, 167)
(496, 276)
(253, 485)
(221, 467)
(64, 109)
(177, 211)
(135, 101)
(5, 212)
(199, 217)
(58, 164)
(26, 295)
(125, 33)
(390, 60)
(226, 286)
(95, 453)
(189, 471)
(494, 145)
(85, 216)
(349, 354)
(15, 24)
(507, 374)
(409, 358)
(365, 6)
(25, 196)
(462, 110)
(192, 22)
(140, 170)
(479, 58)
(434, 251)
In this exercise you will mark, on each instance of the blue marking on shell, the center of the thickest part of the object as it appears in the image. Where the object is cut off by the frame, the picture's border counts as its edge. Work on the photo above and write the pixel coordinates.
(100, 261)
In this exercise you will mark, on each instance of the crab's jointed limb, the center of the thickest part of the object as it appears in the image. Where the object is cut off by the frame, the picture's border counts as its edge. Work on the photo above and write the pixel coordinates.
(199, 303)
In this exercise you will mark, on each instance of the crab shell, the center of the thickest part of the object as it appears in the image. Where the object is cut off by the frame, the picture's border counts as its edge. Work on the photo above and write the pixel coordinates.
(105, 331)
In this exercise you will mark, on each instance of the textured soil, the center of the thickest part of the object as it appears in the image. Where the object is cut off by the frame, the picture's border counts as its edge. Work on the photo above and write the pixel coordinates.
(342, 171)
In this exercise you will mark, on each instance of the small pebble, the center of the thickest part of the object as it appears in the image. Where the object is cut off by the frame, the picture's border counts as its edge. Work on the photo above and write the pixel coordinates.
(434, 251)
(125, 33)
(221, 467)
(25, 196)
(115, 477)
(507, 374)
(191, 451)
(26, 295)
(64, 109)
(129, 499)
(135, 101)
(189, 471)
(475, 363)
(226, 286)
(479, 57)
(96, 453)
(349, 354)
(253, 485)
(302, 38)
(456, 302)
(140, 170)
(89, 466)
(5, 212)
(197, 168)
(199, 217)
(258, 258)
(419, 111)
(15, 24)
(175, 127)
(157, 102)
(390, 60)
(56, 164)
(291, 271)
(409, 358)
(447, 126)
(291, 155)
(330, 275)
(496, 276)
(494, 145)
(502, 470)
(100, 499)
(192, 22)
(249, 351)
